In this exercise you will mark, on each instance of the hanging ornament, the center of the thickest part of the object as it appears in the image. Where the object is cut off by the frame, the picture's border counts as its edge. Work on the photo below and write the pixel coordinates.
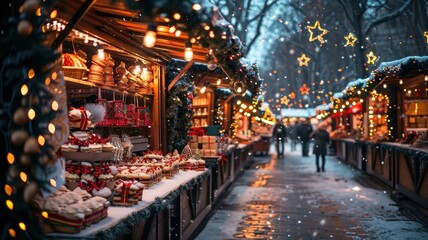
(211, 65)
(292, 95)
(318, 37)
(303, 60)
(238, 87)
(25, 28)
(371, 58)
(350, 40)
(304, 90)
(285, 100)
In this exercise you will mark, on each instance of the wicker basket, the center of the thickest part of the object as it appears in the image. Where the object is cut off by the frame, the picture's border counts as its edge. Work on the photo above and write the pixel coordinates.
(74, 72)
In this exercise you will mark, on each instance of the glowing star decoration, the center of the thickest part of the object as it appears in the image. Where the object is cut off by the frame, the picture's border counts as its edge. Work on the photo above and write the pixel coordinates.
(285, 100)
(350, 40)
(426, 35)
(371, 58)
(303, 60)
(292, 95)
(304, 90)
(318, 37)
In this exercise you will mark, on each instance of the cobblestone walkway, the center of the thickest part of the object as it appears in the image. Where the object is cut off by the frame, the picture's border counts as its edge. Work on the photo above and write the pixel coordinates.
(286, 199)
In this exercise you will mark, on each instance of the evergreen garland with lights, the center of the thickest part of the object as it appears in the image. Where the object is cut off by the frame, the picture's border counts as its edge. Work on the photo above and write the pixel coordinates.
(28, 65)
(179, 109)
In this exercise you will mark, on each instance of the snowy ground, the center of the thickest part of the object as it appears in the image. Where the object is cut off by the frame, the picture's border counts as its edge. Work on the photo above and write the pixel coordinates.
(286, 199)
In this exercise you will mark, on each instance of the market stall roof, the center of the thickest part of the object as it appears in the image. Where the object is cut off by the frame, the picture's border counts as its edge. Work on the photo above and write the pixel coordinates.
(298, 112)
(401, 69)
(114, 23)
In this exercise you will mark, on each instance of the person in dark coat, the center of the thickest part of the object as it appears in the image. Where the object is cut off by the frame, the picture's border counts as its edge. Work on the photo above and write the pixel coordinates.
(321, 141)
(292, 134)
(304, 131)
(280, 135)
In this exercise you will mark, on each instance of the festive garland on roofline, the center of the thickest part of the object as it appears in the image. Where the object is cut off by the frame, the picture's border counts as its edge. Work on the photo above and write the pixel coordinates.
(207, 27)
(29, 69)
(125, 226)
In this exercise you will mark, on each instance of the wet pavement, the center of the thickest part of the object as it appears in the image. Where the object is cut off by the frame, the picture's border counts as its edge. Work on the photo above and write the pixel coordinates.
(286, 198)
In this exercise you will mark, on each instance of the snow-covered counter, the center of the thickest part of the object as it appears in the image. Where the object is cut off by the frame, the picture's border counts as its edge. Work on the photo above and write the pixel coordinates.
(173, 207)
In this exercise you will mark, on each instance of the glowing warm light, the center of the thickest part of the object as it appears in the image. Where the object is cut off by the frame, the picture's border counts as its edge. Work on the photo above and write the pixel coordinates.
(24, 90)
(9, 204)
(12, 232)
(52, 182)
(178, 33)
(23, 176)
(55, 105)
(54, 75)
(137, 69)
(350, 40)
(318, 37)
(219, 81)
(238, 102)
(356, 188)
(45, 214)
(10, 158)
(149, 40)
(172, 29)
(303, 60)
(426, 78)
(177, 16)
(196, 7)
(51, 128)
(188, 52)
(53, 14)
(22, 226)
(203, 89)
(401, 82)
(31, 73)
(193, 40)
(47, 81)
(101, 54)
(371, 58)
(31, 114)
(8, 189)
(41, 140)
(39, 12)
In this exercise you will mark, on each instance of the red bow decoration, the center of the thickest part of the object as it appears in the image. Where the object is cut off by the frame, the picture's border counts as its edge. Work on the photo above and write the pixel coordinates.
(82, 121)
(223, 158)
(86, 169)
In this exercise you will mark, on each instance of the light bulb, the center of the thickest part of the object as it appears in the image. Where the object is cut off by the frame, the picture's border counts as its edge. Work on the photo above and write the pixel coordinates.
(137, 69)
(219, 81)
(426, 78)
(172, 29)
(178, 33)
(188, 52)
(101, 54)
(150, 37)
(203, 89)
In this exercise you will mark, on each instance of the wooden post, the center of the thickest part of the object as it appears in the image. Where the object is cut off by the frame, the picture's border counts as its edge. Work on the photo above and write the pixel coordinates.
(183, 71)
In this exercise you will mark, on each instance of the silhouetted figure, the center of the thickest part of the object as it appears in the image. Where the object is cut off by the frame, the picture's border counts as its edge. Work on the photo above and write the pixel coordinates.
(321, 141)
(280, 135)
(304, 131)
(292, 134)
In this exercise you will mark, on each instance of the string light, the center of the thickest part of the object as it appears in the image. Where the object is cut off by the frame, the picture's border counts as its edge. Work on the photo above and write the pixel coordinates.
(8, 189)
(31, 114)
(10, 158)
(12, 232)
(55, 106)
(188, 52)
(9, 204)
(51, 128)
(41, 140)
(22, 226)
(23, 176)
(149, 40)
(31, 74)
(24, 89)
(319, 37)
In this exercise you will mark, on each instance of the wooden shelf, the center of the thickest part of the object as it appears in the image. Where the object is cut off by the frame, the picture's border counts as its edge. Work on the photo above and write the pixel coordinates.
(76, 83)
(200, 106)
(200, 116)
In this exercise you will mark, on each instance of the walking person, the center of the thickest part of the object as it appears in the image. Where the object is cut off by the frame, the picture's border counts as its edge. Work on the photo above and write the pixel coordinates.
(304, 131)
(280, 135)
(321, 141)
(292, 134)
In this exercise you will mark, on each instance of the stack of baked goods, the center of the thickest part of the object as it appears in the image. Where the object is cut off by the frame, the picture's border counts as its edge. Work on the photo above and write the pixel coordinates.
(74, 65)
(101, 70)
(69, 211)
(121, 80)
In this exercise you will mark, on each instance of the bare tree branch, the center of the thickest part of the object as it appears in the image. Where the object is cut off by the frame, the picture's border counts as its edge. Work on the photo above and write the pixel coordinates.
(352, 20)
(388, 17)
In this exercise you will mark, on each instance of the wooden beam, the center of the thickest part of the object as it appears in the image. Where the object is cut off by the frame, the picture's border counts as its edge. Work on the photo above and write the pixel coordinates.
(229, 98)
(74, 20)
(183, 71)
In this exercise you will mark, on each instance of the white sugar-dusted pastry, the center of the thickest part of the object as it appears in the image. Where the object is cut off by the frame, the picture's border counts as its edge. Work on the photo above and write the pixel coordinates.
(104, 192)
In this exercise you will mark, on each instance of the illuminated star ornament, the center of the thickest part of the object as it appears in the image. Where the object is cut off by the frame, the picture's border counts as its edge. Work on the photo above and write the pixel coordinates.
(371, 58)
(318, 37)
(304, 90)
(292, 95)
(350, 40)
(426, 35)
(285, 100)
(303, 60)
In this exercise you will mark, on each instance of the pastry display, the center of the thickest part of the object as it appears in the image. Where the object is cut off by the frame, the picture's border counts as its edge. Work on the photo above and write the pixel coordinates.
(101, 70)
(70, 211)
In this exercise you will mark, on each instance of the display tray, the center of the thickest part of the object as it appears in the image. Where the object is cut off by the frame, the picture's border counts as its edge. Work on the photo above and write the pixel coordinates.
(88, 156)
